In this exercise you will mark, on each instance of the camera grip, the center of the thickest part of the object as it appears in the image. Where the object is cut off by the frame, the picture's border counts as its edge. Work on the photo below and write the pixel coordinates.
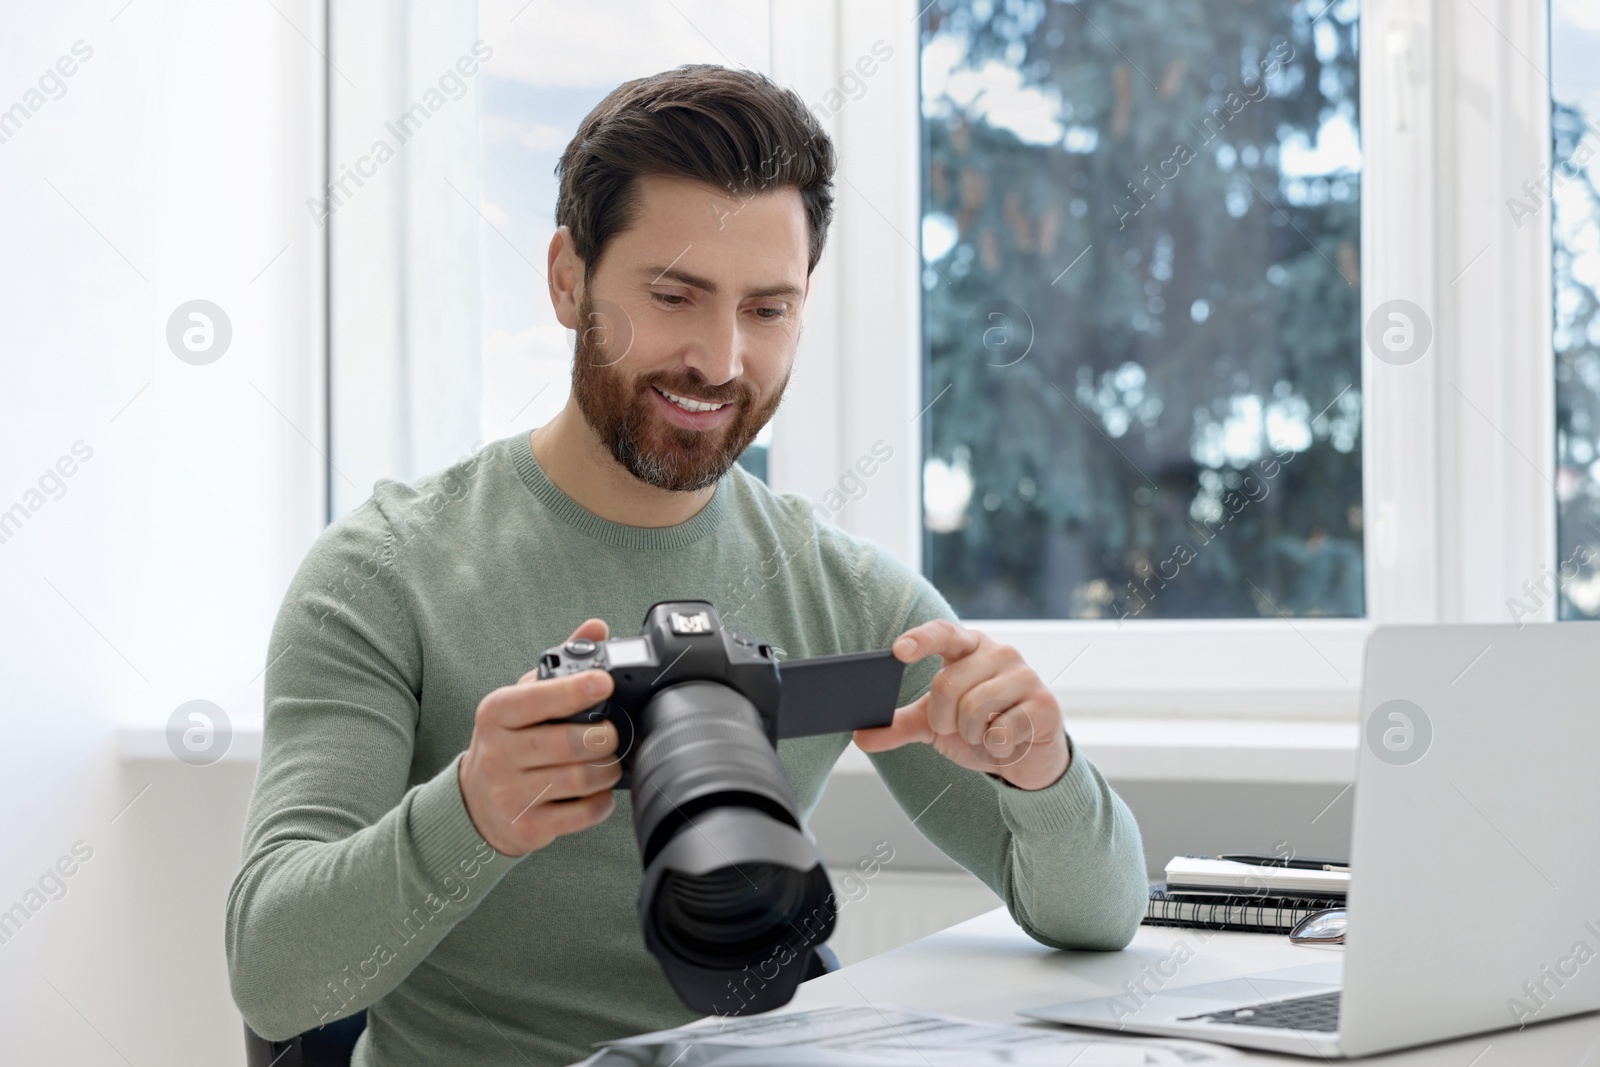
(603, 711)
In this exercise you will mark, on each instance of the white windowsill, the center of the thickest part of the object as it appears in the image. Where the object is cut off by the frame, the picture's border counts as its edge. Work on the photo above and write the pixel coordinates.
(148, 744)
(1152, 750)
(1200, 750)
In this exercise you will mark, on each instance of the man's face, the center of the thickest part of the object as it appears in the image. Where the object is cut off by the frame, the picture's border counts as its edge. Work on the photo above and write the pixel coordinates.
(701, 298)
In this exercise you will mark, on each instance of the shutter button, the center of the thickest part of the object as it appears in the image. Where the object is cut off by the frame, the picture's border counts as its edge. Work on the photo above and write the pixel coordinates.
(580, 647)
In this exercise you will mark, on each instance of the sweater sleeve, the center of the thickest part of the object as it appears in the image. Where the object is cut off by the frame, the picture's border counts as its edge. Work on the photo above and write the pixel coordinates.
(350, 874)
(1067, 859)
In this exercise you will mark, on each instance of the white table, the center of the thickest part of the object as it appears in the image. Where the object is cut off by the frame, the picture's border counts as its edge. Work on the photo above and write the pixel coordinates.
(987, 968)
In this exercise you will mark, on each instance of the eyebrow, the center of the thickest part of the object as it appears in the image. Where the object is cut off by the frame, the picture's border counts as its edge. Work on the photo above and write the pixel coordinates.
(709, 286)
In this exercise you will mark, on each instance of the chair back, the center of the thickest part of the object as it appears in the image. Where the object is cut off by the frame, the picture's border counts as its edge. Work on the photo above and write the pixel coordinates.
(330, 1045)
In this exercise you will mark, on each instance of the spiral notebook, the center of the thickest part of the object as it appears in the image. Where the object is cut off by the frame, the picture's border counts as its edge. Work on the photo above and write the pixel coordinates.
(1275, 914)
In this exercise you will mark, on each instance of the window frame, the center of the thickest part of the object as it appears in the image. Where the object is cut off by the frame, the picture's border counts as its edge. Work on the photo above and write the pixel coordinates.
(1447, 440)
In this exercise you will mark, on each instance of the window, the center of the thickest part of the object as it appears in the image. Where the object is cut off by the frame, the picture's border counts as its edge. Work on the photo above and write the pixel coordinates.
(1569, 203)
(1141, 233)
(1034, 382)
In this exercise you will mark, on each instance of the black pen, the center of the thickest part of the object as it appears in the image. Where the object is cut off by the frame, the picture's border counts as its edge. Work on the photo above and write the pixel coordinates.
(1290, 862)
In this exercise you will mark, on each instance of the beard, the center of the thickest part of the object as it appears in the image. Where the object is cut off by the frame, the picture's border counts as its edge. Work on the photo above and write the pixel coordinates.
(622, 414)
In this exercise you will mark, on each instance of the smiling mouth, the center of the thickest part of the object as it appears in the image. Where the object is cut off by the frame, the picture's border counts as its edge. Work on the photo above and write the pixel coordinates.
(689, 403)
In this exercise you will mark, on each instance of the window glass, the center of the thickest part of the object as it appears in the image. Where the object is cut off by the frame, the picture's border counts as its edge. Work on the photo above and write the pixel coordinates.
(1568, 202)
(1141, 315)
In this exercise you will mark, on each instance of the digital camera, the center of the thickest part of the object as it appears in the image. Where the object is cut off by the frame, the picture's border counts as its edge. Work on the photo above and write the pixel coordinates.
(733, 888)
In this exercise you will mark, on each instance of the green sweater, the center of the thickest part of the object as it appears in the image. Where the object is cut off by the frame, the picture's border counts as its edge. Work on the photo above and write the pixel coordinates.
(364, 883)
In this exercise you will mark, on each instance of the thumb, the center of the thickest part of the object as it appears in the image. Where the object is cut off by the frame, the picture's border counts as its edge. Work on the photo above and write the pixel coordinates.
(909, 727)
(593, 629)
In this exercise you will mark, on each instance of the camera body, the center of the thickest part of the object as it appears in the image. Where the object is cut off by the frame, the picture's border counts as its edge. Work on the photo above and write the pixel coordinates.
(733, 887)
(680, 640)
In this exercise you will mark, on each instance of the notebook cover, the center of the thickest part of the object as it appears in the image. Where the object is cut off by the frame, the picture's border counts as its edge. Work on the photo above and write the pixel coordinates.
(1276, 914)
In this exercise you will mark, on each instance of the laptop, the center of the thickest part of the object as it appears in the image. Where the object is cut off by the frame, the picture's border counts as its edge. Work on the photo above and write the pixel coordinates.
(1474, 897)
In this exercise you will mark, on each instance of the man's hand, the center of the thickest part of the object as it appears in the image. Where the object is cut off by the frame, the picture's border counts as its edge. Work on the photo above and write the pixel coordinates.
(985, 710)
(526, 780)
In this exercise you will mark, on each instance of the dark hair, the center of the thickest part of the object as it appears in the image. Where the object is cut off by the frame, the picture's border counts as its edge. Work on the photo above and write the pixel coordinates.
(734, 129)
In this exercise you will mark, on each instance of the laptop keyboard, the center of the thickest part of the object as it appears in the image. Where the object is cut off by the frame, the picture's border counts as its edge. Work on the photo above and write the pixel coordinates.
(1319, 1013)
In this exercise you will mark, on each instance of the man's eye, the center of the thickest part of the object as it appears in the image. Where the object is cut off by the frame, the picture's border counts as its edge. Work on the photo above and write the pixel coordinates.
(669, 298)
(777, 313)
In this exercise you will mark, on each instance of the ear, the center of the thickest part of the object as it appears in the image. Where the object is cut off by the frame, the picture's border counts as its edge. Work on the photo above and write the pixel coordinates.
(565, 271)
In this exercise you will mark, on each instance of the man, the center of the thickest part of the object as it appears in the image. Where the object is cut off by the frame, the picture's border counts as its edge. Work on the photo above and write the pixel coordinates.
(423, 840)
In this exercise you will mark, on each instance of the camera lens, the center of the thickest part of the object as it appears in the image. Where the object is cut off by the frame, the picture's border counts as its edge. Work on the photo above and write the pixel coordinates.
(732, 885)
(731, 913)
(702, 747)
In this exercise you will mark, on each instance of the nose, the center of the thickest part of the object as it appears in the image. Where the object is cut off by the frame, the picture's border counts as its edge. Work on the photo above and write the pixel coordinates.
(718, 352)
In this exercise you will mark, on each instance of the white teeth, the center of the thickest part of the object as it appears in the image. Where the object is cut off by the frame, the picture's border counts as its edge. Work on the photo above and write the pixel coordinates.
(689, 405)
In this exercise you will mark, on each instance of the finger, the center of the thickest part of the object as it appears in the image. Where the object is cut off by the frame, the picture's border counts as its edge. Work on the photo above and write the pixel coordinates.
(599, 745)
(561, 817)
(547, 785)
(552, 744)
(955, 679)
(910, 726)
(986, 661)
(512, 707)
(593, 629)
(937, 637)
(988, 700)
(1010, 736)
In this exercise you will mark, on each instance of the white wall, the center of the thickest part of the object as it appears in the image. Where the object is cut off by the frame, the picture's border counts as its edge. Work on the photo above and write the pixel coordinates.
(172, 165)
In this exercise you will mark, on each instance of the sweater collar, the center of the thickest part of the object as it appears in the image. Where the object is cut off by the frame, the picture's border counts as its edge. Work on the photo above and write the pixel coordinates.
(586, 522)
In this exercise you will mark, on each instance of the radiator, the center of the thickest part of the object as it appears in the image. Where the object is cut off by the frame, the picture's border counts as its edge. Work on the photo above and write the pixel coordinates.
(895, 907)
